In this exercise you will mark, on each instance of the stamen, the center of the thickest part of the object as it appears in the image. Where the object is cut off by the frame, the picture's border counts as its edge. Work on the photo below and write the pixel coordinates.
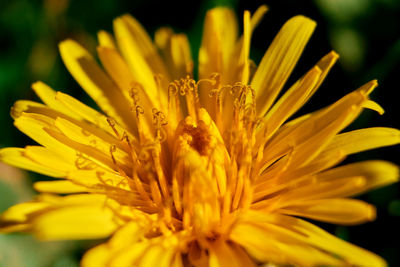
(134, 92)
(155, 190)
(112, 123)
(84, 163)
(218, 103)
(214, 80)
(147, 158)
(113, 148)
(139, 111)
(238, 190)
(188, 88)
(247, 193)
(160, 173)
(159, 120)
(176, 194)
(139, 187)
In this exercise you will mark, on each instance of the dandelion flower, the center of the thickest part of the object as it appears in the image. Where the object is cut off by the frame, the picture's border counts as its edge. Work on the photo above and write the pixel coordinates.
(205, 172)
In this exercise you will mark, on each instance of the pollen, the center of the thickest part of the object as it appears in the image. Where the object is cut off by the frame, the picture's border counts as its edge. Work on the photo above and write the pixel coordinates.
(198, 136)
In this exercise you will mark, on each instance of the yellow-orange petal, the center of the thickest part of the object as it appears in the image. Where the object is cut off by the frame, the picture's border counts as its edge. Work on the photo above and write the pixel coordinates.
(141, 57)
(22, 212)
(229, 254)
(363, 139)
(106, 39)
(76, 222)
(16, 157)
(95, 82)
(48, 96)
(175, 50)
(279, 60)
(218, 43)
(58, 187)
(267, 245)
(317, 237)
(377, 173)
(337, 211)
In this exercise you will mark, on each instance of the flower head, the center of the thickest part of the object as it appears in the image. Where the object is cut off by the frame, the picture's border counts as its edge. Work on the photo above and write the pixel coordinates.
(206, 172)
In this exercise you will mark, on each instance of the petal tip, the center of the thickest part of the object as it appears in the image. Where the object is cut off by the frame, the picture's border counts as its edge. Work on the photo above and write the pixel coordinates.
(334, 54)
(301, 19)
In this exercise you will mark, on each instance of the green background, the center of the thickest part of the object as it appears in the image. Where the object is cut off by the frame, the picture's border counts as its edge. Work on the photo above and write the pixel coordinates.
(366, 34)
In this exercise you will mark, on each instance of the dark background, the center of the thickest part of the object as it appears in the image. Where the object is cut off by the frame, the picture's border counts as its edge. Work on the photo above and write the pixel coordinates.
(366, 34)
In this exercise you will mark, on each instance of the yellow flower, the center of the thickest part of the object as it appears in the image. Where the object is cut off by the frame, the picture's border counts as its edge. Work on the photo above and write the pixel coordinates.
(210, 172)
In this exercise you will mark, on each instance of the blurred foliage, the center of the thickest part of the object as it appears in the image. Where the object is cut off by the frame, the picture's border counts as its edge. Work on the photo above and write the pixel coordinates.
(394, 207)
(366, 34)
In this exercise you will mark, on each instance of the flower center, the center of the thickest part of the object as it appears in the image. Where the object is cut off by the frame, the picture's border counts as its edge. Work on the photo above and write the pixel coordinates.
(199, 138)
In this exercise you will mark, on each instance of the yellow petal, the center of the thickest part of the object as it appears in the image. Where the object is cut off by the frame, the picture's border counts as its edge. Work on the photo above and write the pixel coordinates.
(48, 96)
(318, 189)
(119, 71)
(95, 82)
(337, 211)
(295, 97)
(106, 39)
(33, 125)
(239, 71)
(325, 64)
(240, 61)
(310, 136)
(307, 187)
(363, 139)
(97, 256)
(226, 254)
(77, 222)
(268, 245)
(129, 255)
(145, 44)
(141, 57)
(59, 187)
(22, 212)
(291, 101)
(177, 261)
(91, 156)
(217, 46)
(96, 118)
(156, 255)
(242, 49)
(50, 159)
(279, 60)
(86, 118)
(91, 178)
(162, 38)
(41, 129)
(77, 134)
(311, 236)
(23, 106)
(101, 255)
(376, 173)
(258, 15)
(374, 106)
(219, 37)
(319, 238)
(75, 200)
(113, 185)
(16, 157)
(175, 50)
(117, 68)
